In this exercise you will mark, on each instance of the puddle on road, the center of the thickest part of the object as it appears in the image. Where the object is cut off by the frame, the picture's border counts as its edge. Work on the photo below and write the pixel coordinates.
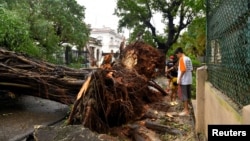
(18, 117)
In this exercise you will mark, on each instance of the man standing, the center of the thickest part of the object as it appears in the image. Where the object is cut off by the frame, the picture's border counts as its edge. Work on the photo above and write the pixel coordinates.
(169, 65)
(184, 79)
(171, 71)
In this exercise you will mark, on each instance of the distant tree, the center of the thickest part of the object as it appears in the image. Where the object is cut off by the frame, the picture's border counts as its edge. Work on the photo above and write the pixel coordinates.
(137, 15)
(47, 24)
(67, 19)
(14, 32)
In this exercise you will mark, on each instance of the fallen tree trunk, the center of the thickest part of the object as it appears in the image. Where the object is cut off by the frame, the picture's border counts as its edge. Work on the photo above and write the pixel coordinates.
(24, 75)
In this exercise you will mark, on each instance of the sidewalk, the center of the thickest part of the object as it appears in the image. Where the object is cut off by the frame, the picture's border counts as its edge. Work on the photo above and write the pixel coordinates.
(183, 123)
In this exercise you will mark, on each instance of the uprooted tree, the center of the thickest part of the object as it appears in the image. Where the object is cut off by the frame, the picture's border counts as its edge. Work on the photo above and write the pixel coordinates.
(103, 98)
(117, 94)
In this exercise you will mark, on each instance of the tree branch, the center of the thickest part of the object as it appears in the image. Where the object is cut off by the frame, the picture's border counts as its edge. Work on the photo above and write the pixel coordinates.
(152, 28)
(183, 25)
(170, 12)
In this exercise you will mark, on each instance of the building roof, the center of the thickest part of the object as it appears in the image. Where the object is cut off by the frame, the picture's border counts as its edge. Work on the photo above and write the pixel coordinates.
(95, 41)
(105, 30)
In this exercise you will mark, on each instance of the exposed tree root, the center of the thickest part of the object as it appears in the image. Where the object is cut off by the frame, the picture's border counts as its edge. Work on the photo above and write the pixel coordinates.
(117, 94)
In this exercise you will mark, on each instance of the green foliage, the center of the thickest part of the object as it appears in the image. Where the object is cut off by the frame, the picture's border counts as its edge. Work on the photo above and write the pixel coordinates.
(75, 65)
(39, 28)
(77, 62)
(14, 32)
(137, 15)
(194, 59)
(193, 86)
(194, 39)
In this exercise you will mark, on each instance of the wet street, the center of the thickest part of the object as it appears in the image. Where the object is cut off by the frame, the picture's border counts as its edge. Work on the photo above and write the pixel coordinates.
(18, 117)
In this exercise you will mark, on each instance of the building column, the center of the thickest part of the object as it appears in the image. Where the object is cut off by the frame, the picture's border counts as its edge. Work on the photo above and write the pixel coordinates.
(95, 49)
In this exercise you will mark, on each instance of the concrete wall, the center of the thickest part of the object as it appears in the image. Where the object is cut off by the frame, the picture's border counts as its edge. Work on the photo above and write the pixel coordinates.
(213, 107)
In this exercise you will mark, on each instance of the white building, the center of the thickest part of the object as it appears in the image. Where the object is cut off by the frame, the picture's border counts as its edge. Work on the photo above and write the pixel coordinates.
(93, 48)
(109, 38)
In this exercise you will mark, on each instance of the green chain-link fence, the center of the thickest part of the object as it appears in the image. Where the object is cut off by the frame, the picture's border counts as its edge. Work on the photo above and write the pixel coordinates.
(228, 48)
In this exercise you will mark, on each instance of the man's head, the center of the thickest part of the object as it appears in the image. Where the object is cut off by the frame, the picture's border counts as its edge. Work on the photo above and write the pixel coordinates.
(171, 57)
(178, 52)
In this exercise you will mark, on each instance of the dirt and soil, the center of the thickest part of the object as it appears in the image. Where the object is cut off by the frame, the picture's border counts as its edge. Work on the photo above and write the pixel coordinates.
(171, 118)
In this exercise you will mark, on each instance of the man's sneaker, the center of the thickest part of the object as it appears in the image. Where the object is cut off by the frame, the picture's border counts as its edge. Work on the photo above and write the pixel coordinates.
(172, 103)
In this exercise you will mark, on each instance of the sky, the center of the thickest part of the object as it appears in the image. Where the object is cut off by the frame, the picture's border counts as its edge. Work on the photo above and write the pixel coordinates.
(99, 13)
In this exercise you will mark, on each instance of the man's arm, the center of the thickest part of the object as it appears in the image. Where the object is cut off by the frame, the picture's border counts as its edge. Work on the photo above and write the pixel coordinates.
(168, 70)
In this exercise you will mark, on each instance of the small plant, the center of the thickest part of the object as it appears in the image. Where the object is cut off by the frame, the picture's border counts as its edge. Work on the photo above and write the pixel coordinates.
(193, 86)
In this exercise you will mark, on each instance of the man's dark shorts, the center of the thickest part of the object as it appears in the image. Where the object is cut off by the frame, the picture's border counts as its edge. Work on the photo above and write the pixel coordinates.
(185, 92)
